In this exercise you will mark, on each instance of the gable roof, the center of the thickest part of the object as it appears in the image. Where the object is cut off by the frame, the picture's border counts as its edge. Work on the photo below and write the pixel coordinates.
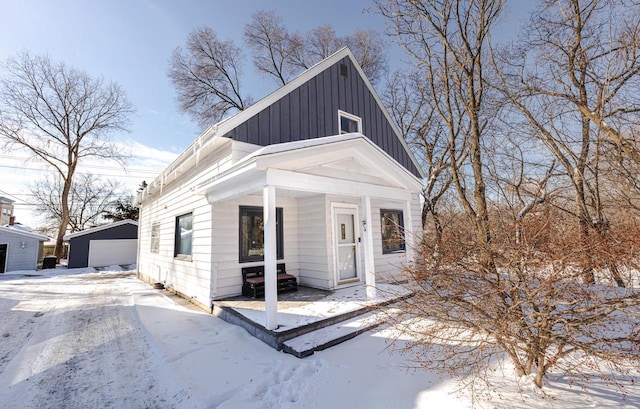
(20, 232)
(99, 228)
(255, 125)
(308, 107)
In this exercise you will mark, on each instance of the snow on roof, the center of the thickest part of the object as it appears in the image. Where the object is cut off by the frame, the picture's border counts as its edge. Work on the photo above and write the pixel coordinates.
(99, 228)
(23, 231)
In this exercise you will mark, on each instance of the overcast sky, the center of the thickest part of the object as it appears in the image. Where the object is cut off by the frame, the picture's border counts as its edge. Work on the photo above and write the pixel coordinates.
(130, 42)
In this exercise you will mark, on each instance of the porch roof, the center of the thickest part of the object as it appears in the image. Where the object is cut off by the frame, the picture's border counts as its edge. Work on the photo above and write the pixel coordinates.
(348, 165)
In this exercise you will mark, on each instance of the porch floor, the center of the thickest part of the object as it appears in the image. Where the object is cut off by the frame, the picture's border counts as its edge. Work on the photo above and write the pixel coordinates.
(309, 310)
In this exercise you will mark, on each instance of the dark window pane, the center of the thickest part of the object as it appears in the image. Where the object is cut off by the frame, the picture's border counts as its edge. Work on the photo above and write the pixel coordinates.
(252, 233)
(391, 223)
(349, 125)
(184, 235)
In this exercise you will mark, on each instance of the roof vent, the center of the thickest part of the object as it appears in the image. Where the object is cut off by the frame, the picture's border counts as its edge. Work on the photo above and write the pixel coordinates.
(344, 70)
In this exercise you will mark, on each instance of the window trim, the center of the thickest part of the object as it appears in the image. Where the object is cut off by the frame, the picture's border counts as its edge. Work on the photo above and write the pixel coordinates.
(352, 117)
(403, 247)
(155, 237)
(279, 234)
(176, 243)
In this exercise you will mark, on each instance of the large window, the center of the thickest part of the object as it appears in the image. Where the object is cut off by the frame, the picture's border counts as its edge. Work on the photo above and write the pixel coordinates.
(184, 236)
(392, 225)
(349, 123)
(252, 234)
(155, 237)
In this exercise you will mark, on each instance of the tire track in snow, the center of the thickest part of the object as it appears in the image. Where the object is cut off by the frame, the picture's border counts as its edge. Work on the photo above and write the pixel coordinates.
(90, 355)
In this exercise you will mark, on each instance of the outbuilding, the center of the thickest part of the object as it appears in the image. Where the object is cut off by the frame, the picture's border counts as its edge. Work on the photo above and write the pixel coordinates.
(106, 245)
(20, 249)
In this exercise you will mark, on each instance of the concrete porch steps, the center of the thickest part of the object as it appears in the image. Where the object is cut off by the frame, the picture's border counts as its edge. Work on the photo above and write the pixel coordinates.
(326, 337)
(304, 340)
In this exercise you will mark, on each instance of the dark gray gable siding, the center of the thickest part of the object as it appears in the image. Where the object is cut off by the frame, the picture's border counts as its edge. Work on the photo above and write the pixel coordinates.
(311, 111)
(79, 246)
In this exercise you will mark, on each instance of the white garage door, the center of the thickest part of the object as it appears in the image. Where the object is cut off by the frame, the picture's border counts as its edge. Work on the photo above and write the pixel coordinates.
(110, 252)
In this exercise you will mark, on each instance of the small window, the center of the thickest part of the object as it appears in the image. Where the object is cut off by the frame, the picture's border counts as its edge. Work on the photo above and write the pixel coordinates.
(392, 226)
(184, 236)
(252, 234)
(349, 123)
(155, 237)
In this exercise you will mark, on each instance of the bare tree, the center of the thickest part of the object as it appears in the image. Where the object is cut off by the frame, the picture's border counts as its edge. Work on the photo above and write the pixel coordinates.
(206, 76)
(207, 73)
(575, 80)
(367, 46)
(503, 277)
(411, 106)
(449, 39)
(272, 45)
(90, 197)
(60, 115)
(537, 312)
(320, 42)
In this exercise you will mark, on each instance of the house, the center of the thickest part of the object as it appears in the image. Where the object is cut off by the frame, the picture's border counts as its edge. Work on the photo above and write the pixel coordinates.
(106, 245)
(20, 249)
(6, 211)
(315, 177)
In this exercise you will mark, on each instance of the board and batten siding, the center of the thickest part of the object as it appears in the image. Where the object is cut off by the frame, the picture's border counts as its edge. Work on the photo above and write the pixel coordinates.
(311, 111)
(192, 278)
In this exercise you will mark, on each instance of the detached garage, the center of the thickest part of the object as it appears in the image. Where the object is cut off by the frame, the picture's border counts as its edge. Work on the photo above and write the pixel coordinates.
(110, 244)
(19, 249)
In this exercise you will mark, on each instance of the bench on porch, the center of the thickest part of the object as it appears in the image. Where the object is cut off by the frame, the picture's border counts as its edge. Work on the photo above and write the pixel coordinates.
(253, 281)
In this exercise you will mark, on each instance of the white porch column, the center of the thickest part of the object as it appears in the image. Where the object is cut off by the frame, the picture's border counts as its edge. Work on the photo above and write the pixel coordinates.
(369, 262)
(270, 257)
(409, 234)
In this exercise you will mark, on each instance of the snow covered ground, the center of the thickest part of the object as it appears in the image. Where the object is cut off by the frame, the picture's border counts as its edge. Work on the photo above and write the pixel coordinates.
(85, 339)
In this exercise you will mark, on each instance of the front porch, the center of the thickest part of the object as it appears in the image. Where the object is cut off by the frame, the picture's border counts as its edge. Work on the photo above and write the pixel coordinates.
(337, 211)
(310, 319)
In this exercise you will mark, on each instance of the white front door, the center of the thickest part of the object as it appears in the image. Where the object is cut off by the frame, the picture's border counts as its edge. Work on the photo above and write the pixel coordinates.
(345, 238)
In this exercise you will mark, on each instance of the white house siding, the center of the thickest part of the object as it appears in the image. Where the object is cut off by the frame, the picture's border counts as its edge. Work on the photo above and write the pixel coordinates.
(388, 266)
(315, 242)
(226, 236)
(191, 278)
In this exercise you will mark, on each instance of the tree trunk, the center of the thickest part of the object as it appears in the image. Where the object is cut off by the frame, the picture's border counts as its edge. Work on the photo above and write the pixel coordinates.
(64, 222)
(540, 371)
